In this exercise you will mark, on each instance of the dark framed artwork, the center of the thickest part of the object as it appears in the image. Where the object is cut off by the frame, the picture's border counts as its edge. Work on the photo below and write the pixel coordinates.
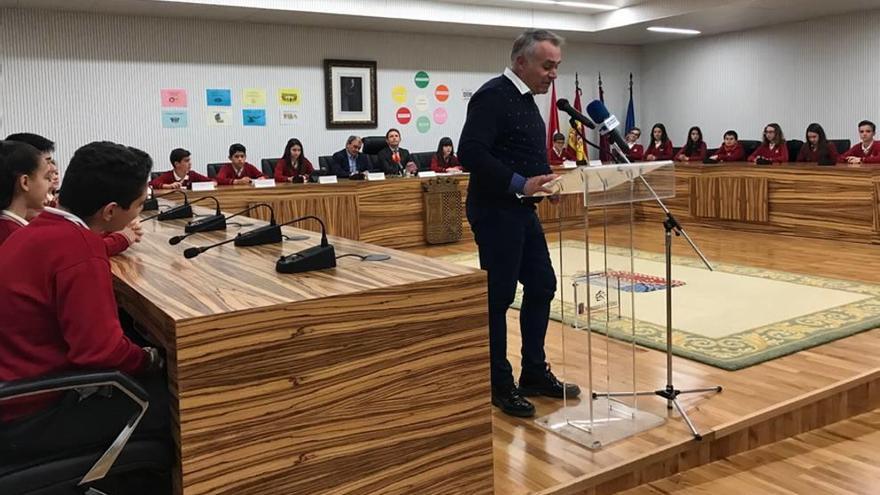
(350, 94)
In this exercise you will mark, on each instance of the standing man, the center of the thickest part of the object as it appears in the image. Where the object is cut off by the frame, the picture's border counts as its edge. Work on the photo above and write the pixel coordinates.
(503, 147)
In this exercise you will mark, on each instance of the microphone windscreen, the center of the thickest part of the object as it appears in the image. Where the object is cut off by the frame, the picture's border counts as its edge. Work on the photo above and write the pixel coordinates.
(562, 104)
(176, 239)
(597, 111)
(191, 252)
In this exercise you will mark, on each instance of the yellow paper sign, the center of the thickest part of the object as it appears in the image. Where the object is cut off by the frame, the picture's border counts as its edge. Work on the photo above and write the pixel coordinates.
(288, 96)
(254, 97)
(398, 93)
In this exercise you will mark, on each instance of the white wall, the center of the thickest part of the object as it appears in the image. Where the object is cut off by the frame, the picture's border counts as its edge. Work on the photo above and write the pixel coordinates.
(824, 71)
(77, 77)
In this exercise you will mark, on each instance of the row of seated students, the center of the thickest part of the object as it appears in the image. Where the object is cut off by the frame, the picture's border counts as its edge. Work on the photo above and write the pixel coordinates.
(773, 149)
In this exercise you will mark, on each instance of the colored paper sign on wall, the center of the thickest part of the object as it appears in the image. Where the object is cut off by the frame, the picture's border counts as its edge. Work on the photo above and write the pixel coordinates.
(218, 97)
(288, 96)
(288, 117)
(253, 97)
(398, 94)
(403, 115)
(422, 79)
(219, 117)
(441, 92)
(466, 94)
(173, 98)
(421, 103)
(174, 119)
(440, 116)
(253, 117)
(423, 124)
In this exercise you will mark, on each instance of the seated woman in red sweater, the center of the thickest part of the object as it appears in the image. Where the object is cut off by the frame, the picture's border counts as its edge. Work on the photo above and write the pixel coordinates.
(773, 148)
(636, 150)
(695, 148)
(559, 152)
(730, 150)
(60, 315)
(181, 174)
(816, 147)
(660, 147)
(444, 160)
(25, 180)
(293, 166)
(867, 150)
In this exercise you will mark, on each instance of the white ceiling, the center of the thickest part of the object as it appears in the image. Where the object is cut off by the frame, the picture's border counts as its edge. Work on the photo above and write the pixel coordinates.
(492, 18)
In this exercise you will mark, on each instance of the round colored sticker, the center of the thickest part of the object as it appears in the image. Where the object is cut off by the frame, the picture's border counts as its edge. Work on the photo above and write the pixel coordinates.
(423, 124)
(404, 115)
(421, 103)
(398, 93)
(422, 79)
(441, 93)
(440, 116)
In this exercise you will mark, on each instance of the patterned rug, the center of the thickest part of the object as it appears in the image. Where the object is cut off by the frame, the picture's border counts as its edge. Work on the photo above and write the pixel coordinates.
(734, 317)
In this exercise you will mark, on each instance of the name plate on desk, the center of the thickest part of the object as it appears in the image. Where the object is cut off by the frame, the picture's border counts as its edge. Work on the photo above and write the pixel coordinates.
(569, 164)
(375, 176)
(595, 163)
(427, 174)
(327, 179)
(203, 186)
(260, 183)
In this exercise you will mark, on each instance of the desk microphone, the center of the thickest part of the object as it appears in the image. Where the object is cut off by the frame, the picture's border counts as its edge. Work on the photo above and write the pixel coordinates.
(211, 222)
(309, 259)
(267, 234)
(152, 202)
(175, 212)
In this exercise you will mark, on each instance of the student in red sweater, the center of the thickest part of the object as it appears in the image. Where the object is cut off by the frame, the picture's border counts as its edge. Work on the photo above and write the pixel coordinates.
(773, 148)
(25, 180)
(694, 149)
(60, 314)
(636, 150)
(293, 165)
(866, 151)
(444, 160)
(816, 147)
(730, 150)
(559, 152)
(660, 147)
(46, 149)
(238, 170)
(181, 175)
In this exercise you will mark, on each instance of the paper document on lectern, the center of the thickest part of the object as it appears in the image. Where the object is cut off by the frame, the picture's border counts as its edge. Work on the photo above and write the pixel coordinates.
(618, 183)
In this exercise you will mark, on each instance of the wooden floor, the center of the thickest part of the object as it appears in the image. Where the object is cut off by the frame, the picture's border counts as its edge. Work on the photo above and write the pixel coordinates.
(527, 459)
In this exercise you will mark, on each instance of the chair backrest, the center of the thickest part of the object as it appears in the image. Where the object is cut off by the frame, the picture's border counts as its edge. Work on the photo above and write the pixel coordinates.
(372, 144)
(153, 175)
(842, 145)
(213, 168)
(268, 166)
(423, 159)
(749, 146)
(794, 147)
(324, 163)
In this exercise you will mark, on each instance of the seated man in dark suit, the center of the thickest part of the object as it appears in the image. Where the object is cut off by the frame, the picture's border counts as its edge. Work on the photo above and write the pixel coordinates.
(350, 161)
(395, 160)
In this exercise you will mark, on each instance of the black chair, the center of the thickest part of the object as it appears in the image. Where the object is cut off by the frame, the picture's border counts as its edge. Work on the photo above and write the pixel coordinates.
(842, 145)
(153, 175)
(423, 159)
(128, 465)
(268, 166)
(749, 146)
(794, 147)
(324, 164)
(372, 144)
(214, 168)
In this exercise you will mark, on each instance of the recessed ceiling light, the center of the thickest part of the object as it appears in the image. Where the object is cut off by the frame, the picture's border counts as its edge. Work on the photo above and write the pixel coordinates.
(564, 3)
(658, 29)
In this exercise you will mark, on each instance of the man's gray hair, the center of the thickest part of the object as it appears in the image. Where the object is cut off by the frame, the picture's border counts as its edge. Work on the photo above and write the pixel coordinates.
(525, 43)
(351, 139)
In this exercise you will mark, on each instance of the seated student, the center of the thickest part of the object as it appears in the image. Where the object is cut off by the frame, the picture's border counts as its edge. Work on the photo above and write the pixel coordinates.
(695, 148)
(182, 174)
(238, 170)
(730, 150)
(773, 147)
(636, 150)
(867, 150)
(46, 148)
(25, 180)
(350, 161)
(660, 147)
(293, 165)
(816, 147)
(395, 160)
(60, 314)
(559, 152)
(444, 160)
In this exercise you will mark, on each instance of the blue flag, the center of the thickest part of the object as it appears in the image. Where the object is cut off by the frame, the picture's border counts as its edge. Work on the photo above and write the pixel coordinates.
(631, 109)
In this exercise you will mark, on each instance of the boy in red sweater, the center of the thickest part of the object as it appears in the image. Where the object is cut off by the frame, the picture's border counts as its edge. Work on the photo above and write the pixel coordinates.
(238, 170)
(46, 148)
(60, 315)
(730, 150)
(868, 150)
(181, 175)
(636, 150)
(559, 152)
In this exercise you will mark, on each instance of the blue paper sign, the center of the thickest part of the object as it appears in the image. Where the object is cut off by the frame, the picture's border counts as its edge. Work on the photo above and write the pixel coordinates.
(253, 117)
(172, 119)
(219, 97)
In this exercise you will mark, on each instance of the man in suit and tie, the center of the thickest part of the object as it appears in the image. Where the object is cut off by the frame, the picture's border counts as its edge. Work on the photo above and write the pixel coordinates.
(395, 160)
(350, 161)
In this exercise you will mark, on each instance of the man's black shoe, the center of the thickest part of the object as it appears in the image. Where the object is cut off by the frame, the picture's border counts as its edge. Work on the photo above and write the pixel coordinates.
(509, 400)
(546, 384)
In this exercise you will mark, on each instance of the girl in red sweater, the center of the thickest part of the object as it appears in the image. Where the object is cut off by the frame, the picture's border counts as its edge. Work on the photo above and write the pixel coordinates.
(816, 147)
(773, 148)
(694, 149)
(25, 180)
(293, 166)
(444, 160)
(660, 147)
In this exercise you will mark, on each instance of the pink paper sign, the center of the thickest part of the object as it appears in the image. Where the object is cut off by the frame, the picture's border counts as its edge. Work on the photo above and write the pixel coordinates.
(440, 115)
(173, 97)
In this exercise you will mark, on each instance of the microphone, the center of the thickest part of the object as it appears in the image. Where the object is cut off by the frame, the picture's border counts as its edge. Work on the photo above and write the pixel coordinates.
(211, 222)
(173, 213)
(609, 126)
(313, 258)
(566, 107)
(151, 203)
(267, 234)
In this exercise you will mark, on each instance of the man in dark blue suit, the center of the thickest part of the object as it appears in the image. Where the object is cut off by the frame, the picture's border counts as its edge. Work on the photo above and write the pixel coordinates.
(350, 161)
(503, 146)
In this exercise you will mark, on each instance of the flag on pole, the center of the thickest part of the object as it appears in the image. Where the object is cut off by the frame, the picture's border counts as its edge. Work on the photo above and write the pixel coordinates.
(552, 119)
(631, 109)
(575, 142)
(604, 145)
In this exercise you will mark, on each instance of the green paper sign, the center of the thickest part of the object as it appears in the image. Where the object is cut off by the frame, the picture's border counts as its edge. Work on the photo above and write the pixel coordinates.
(423, 124)
(422, 79)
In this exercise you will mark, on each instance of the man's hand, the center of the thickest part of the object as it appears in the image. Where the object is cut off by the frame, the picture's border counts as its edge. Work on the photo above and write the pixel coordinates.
(412, 168)
(536, 184)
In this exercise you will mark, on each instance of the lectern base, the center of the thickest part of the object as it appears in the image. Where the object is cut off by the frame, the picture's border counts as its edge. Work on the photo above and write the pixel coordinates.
(611, 421)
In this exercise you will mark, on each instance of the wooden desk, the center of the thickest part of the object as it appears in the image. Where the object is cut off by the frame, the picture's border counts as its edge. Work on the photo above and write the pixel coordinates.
(370, 377)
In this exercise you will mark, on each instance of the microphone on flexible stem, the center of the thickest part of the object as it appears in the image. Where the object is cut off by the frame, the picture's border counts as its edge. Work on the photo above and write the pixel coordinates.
(313, 258)
(152, 202)
(176, 212)
(211, 222)
(609, 127)
(267, 234)
(566, 107)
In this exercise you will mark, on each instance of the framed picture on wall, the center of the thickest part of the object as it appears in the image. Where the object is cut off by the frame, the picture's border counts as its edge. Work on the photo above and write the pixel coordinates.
(350, 93)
